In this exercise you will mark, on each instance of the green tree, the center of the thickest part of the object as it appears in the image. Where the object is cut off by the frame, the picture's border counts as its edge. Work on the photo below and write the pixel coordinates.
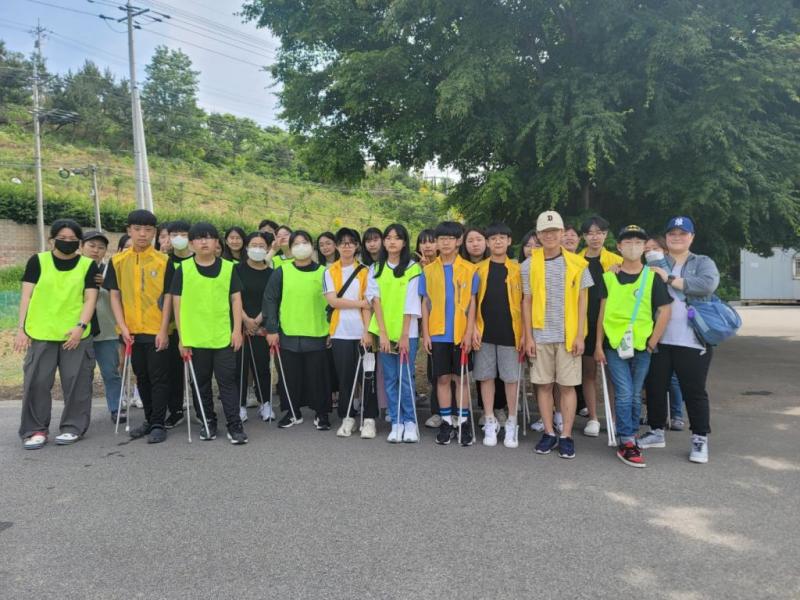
(173, 121)
(639, 109)
(15, 77)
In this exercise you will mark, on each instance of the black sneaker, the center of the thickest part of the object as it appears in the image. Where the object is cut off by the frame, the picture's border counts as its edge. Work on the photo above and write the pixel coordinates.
(566, 447)
(547, 444)
(322, 422)
(445, 433)
(141, 431)
(174, 420)
(123, 417)
(157, 435)
(289, 421)
(466, 433)
(210, 434)
(237, 435)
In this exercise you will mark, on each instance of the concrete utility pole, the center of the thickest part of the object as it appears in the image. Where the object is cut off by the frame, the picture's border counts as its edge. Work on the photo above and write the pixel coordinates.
(144, 196)
(96, 198)
(37, 140)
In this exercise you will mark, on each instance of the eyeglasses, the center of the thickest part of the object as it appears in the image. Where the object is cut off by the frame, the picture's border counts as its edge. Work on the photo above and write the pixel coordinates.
(595, 233)
(347, 244)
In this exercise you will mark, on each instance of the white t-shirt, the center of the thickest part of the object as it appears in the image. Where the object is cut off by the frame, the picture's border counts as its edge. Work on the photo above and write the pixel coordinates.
(413, 304)
(678, 331)
(350, 326)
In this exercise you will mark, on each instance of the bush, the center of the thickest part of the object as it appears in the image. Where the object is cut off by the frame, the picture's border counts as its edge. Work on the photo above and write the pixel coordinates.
(10, 277)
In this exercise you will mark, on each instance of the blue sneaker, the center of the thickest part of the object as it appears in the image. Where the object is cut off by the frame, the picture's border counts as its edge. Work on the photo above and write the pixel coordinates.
(566, 447)
(547, 444)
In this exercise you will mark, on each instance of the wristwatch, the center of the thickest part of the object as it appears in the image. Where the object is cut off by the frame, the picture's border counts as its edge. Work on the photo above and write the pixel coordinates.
(81, 325)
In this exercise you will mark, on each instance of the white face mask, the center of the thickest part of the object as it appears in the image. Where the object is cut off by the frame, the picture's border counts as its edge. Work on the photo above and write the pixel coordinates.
(179, 242)
(257, 254)
(653, 256)
(302, 251)
(632, 252)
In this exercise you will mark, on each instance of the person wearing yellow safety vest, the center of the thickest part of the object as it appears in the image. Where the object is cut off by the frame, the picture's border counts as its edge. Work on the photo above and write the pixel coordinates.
(297, 327)
(138, 279)
(497, 339)
(207, 298)
(55, 312)
(393, 291)
(595, 231)
(634, 312)
(448, 287)
(554, 283)
(345, 289)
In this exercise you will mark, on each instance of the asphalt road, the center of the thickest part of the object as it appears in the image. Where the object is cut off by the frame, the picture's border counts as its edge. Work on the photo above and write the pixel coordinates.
(303, 514)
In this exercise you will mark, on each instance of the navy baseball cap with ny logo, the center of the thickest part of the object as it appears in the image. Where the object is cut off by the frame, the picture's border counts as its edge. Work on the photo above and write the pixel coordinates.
(684, 223)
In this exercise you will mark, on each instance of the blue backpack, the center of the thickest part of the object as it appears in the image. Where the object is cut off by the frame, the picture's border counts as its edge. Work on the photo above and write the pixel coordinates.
(713, 321)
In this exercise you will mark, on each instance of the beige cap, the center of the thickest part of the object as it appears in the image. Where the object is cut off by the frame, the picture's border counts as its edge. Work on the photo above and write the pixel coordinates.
(549, 219)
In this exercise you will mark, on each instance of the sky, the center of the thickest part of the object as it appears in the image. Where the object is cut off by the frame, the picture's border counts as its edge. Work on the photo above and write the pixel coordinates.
(233, 83)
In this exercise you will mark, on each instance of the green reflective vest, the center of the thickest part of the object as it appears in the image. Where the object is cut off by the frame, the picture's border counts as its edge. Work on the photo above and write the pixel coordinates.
(620, 303)
(57, 300)
(393, 300)
(206, 307)
(302, 309)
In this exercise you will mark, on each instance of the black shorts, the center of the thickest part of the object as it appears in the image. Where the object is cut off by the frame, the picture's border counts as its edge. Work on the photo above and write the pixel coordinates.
(446, 359)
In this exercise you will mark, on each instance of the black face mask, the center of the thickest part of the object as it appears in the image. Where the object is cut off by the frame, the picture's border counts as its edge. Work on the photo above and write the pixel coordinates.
(66, 246)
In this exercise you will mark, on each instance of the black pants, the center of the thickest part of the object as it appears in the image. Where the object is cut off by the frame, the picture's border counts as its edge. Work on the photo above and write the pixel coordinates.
(433, 396)
(254, 350)
(152, 370)
(222, 365)
(691, 366)
(307, 379)
(345, 358)
(175, 400)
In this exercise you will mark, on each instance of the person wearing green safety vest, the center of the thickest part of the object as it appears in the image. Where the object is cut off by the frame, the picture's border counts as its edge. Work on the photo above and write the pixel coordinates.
(297, 329)
(283, 246)
(393, 291)
(59, 293)
(634, 312)
(207, 300)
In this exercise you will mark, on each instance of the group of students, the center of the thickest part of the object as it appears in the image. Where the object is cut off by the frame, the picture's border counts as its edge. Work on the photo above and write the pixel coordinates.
(235, 305)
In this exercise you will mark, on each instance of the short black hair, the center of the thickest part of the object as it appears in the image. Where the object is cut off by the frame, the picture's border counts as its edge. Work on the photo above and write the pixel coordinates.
(270, 222)
(571, 228)
(203, 230)
(596, 220)
(143, 217)
(122, 241)
(498, 229)
(347, 232)
(286, 227)
(264, 235)
(179, 225)
(449, 228)
(299, 233)
(60, 224)
(372, 232)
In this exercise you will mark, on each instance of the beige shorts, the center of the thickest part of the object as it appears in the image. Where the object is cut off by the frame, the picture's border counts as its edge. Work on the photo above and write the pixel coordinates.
(553, 364)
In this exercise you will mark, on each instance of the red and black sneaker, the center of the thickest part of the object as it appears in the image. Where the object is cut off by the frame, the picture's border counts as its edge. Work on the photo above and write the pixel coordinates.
(631, 455)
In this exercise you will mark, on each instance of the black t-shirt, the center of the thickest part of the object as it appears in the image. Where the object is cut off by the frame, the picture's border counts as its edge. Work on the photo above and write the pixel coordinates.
(596, 271)
(33, 269)
(659, 296)
(213, 270)
(253, 283)
(497, 325)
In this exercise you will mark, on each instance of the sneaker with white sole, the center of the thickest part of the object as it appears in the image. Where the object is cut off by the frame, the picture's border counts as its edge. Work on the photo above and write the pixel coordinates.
(368, 430)
(396, 435)
(251, 401)
(137, 399)
(592, 428)
(490, 432)
(434, 421)
(410, 433)
(35, 441)
(243, 414)
(538, 425)
(699, 451)
(558, 422)
(501, 416)
(584, 412)
(653, 439)
(347, 427)
(511, 439)
(266, 412)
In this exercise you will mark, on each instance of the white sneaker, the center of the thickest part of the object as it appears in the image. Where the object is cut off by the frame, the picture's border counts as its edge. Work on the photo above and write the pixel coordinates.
(347, 427)
(396, 435)
(368, 429)
(410, 433)
(243, 414)
(501, 416)
(251, 401)
(558, 422)
(538, 426)
(512, 430)
(65, 439)
(592, 428)
(387, 418)
(137, 399)
(490, 432)
(584, 412)
(699, 452)
(35, 441)
(434, 422)
(266, 412)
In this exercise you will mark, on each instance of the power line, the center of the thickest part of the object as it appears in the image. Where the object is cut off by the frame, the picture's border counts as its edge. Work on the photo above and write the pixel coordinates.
(67, 8)
(234, 58)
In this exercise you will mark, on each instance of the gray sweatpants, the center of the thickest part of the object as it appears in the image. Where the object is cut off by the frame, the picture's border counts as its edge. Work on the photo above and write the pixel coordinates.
(75, 368)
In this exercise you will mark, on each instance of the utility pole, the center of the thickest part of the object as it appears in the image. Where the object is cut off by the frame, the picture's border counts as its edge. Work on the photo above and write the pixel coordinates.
(144, 196)
(96, 198)
(37, 139)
